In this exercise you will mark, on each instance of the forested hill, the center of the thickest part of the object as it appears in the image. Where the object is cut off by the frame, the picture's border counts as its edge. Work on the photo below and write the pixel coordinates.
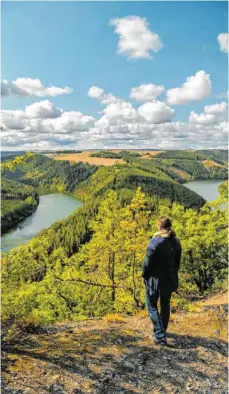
(89, 264)
(17, 202)
(25, 176)
(158, 174)
(42, 172)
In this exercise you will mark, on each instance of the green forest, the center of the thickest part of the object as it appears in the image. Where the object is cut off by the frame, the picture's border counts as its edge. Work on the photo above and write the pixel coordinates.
(89, 264)
(17, 202)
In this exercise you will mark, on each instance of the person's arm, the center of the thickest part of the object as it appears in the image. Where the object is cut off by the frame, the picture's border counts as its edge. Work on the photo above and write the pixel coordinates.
(150, 253)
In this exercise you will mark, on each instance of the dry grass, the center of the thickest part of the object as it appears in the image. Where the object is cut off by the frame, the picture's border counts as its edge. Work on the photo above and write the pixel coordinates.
(182, 173)
(85, 157)
(211, 163)
(114, 318)
(102, 356)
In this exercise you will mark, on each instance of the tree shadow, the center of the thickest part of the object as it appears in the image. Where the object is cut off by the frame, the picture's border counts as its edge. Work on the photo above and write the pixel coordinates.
(188, 342)
(115, 360)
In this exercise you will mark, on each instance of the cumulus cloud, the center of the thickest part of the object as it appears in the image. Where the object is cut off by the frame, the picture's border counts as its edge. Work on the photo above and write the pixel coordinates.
(203, 119)
(43, 109)
(212, 114)
(223, 42)
(136, 40)
(43, 126)
(95, 92)
(99, 94)
(156, 112)
(31, 87)
(146, 92)
(197, 87)
(13, 119)
(118, 113)
(43, 117)
(216, 109)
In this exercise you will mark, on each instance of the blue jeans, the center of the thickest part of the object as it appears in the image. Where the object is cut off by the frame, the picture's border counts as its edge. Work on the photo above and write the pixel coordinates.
(160, 320)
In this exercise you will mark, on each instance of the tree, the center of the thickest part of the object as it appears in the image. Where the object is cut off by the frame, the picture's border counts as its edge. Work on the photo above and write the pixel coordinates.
(204, 241)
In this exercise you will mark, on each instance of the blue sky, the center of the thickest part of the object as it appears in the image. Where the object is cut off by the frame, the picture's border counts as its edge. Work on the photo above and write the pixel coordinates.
(71, 44)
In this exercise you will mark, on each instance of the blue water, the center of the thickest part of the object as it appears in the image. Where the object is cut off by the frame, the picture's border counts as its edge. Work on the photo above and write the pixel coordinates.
(208, 189)
(52, 207)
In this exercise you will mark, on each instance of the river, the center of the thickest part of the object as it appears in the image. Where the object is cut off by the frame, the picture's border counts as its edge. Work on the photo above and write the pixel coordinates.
(208, 189)
(56, 206)
(52, 207)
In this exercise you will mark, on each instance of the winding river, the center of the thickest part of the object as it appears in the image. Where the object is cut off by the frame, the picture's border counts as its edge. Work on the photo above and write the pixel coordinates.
(52, 207)
(208, 189)
(56, 206)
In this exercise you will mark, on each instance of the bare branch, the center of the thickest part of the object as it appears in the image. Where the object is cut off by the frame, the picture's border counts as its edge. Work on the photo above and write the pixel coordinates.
(90, 283)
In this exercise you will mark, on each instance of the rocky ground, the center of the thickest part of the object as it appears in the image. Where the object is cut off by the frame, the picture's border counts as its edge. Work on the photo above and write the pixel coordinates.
(117, 355)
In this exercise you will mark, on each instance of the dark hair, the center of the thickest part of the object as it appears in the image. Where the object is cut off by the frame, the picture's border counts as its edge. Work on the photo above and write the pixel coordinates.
(165, 223)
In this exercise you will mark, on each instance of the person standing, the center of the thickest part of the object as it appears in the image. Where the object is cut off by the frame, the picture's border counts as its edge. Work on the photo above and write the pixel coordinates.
(160, 274)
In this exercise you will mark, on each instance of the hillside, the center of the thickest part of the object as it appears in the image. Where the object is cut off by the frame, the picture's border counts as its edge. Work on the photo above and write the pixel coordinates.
(44, 173)
(182, 166)
(89, 264)
(17, 202)
(156, 177)
(129, 177)
(116, 355)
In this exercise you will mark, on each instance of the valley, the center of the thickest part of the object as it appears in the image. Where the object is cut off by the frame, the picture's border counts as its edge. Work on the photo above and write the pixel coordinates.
(95, 247)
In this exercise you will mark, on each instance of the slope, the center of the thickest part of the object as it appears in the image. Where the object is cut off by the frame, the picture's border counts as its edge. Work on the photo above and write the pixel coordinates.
(116, 355)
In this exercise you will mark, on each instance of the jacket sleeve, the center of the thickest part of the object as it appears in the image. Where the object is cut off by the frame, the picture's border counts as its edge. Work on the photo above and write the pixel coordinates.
(147, 264)
(178, 255)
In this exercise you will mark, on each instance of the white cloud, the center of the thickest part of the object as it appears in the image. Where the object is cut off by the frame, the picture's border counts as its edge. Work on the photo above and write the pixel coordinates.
(197, 87)
(135, 38)
(13, 119)
(98, 93)
(43, 109)
(203, 119)
(31, 87)
(146, 92)
(118, 113)
(216, 109)
(43, 126)
(156, 112)
(43, 117)
(223, 42)
(74, 121)
(95, 92)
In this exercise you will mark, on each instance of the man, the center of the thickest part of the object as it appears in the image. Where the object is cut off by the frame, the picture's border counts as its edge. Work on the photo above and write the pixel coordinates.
(160, 273)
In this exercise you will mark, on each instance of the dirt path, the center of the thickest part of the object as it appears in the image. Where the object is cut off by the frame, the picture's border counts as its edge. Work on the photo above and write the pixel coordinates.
(117, 355)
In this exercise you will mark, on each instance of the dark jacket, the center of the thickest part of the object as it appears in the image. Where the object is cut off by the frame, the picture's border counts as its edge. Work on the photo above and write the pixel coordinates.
(161, 264)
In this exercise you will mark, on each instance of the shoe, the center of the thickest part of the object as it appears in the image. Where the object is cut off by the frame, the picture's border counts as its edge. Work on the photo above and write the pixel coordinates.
(162, 342)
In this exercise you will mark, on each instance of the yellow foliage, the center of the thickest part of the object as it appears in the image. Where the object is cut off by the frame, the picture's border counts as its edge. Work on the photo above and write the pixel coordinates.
(114, 318)
(141, 314)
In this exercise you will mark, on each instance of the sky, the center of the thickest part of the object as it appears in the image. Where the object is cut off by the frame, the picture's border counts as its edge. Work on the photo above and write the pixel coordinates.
(94, 75)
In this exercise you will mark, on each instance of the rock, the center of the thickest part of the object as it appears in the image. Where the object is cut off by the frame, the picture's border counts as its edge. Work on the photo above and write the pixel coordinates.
(57, 388)
(129, 365)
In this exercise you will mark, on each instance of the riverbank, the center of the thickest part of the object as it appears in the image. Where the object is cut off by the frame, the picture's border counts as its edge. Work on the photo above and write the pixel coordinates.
(206, 188)
(15, 211)
(52, 207)
(116, 354)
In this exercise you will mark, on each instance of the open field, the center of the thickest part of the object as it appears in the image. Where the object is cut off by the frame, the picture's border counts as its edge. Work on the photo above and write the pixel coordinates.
(211, 163)
(99, 161)
(85, 157)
